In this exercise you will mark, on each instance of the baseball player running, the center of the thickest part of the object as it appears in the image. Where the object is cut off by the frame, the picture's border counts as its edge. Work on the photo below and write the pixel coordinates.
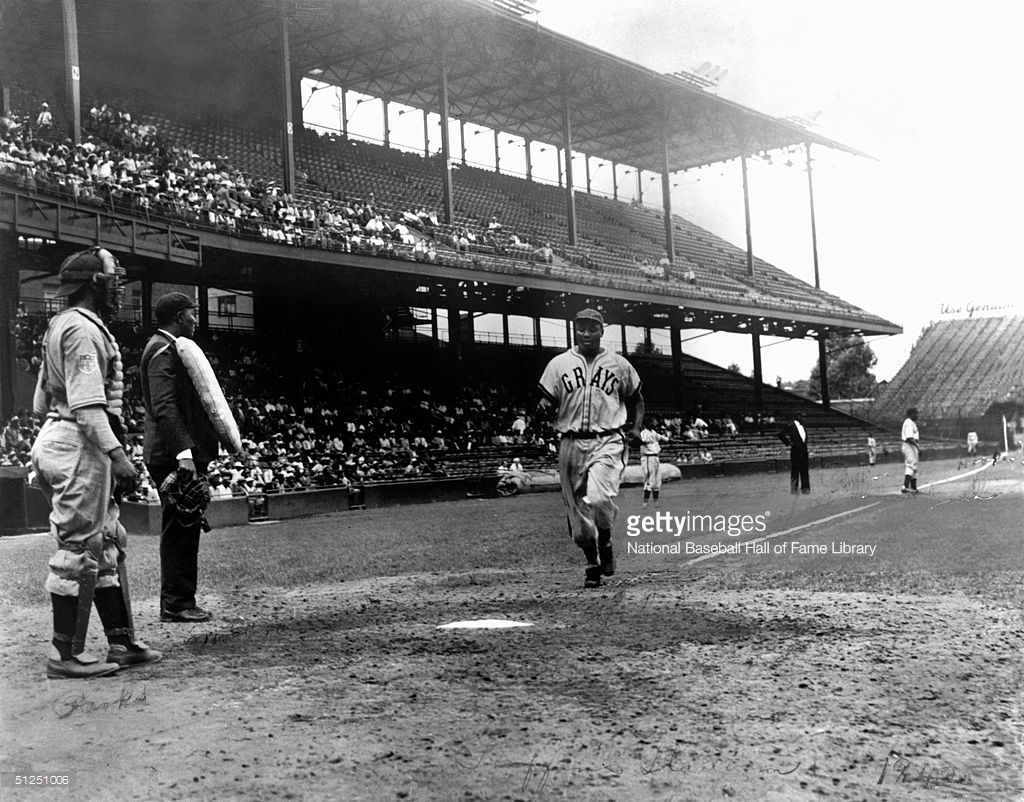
(595, 394)
(650, 464)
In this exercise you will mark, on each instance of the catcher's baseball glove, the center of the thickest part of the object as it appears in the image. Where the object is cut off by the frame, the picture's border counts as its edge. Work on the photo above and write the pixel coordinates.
(187, 495)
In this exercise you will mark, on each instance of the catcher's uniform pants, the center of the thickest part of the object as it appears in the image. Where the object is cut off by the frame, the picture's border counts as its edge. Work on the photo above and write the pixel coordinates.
(651, 467)
(179, 550)
(76, 478)
(591, 469)
(910, 457)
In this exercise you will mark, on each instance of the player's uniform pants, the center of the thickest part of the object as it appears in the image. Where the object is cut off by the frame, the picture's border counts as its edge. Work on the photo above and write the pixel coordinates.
(651, 467)
(590, 471)
(910, 457)
(76, 478)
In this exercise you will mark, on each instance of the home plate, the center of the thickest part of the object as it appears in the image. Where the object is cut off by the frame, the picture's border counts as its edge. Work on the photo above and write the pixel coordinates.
(485, 623)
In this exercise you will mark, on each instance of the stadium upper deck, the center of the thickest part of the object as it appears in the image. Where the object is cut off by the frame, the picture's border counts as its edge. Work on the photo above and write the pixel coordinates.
(496, 70)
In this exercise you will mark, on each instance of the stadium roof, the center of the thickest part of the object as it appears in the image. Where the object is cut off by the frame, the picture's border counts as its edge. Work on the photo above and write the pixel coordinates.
(504, 71)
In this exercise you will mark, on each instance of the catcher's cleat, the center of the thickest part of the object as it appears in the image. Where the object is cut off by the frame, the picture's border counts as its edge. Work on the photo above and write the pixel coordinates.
(593, 576)
(135, 654)
(78, 666)
(607, 559)
(193, 615)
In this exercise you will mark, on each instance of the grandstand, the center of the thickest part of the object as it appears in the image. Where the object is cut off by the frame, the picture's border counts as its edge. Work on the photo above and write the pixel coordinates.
(963, 374)
(225, 188)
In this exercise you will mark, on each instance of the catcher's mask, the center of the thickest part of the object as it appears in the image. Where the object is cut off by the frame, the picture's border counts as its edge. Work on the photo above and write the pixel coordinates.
(98, 267)
(187, 496)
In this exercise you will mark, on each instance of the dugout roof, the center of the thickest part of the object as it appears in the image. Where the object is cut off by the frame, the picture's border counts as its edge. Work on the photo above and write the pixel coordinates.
(504, 72)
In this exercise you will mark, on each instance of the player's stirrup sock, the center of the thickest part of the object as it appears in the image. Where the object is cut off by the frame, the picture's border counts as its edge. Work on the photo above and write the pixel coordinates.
(65, 616)
(655, 496)
(647, 496)
(110, 605)
(590, 551)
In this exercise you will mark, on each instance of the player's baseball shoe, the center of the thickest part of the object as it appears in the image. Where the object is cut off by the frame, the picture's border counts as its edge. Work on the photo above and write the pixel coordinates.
(78, 666)
(193, 615)
(134, 654)
(593, 576)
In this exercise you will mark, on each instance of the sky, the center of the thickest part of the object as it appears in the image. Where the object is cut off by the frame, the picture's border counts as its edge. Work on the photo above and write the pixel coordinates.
(925, 88)
(922, 231)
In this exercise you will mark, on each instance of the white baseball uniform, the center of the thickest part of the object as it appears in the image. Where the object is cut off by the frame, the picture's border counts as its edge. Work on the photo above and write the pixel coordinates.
(591, 401)
(650, 448)
(911, 452)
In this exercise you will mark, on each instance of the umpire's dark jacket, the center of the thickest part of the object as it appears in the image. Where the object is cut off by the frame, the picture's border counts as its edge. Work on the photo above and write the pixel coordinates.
(175, 418)
(790, 435)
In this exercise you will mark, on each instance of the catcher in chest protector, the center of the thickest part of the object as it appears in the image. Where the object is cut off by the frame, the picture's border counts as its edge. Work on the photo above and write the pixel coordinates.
(82, 469)
(187, 419)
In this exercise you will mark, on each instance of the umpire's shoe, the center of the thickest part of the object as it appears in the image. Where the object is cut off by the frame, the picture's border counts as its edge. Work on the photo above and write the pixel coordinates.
(593, 576)
(78, 666)
(134, 654)
(193, 615)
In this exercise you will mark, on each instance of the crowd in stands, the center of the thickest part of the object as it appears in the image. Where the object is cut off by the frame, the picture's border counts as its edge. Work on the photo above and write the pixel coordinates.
(347, 431)
(126, 165)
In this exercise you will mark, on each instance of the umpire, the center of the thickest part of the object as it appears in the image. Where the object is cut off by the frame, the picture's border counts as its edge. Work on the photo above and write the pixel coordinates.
(180, 443)
(794, 435)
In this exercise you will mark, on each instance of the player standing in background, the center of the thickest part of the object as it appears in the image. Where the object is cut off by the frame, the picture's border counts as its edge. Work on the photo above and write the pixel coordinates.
(595, 394)
(911, 451)
(82, 467)
(650, 448)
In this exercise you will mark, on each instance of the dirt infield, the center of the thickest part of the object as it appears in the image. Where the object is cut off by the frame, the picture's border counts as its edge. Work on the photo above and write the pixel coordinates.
(785, 675)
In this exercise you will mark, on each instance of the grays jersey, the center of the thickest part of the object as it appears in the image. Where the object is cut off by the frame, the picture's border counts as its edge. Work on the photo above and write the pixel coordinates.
(590, 397)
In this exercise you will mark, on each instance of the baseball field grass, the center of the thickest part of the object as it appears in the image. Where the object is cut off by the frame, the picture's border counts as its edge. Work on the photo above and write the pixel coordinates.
(790, 668)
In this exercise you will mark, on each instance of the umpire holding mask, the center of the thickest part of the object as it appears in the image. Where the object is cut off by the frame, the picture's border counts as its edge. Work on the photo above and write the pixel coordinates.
(180, 443)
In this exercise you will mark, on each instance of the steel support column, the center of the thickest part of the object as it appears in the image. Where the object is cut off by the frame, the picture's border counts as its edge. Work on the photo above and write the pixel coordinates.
(448, 210)
(755, 343)
(666, 198)
(10, 296)
(288, 138)
(677, 366)
(826, 399)
(746, 216)
(72, 71)
(570, 190)
(814, 226)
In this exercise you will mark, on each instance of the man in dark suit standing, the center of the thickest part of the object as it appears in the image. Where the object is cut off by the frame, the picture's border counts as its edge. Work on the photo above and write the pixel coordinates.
(794, 435)
(178, 437)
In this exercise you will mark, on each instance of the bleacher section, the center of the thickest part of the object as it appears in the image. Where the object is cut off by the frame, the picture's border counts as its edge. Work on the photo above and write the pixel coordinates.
(613, 236)
(958, 369)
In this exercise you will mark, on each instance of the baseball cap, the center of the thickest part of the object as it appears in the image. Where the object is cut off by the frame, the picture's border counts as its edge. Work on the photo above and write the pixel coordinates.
(79, 268)
(589, 314)
(169, 304)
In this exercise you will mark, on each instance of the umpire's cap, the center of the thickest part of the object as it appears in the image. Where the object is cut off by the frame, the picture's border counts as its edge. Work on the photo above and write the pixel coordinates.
(169, 304)
(589, 314)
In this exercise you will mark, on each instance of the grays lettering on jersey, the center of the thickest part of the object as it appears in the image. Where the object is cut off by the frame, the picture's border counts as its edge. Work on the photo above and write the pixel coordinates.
(590, 396)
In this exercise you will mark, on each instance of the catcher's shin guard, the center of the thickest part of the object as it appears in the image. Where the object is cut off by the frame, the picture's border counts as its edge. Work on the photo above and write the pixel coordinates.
(126, 598)
(86, 593)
